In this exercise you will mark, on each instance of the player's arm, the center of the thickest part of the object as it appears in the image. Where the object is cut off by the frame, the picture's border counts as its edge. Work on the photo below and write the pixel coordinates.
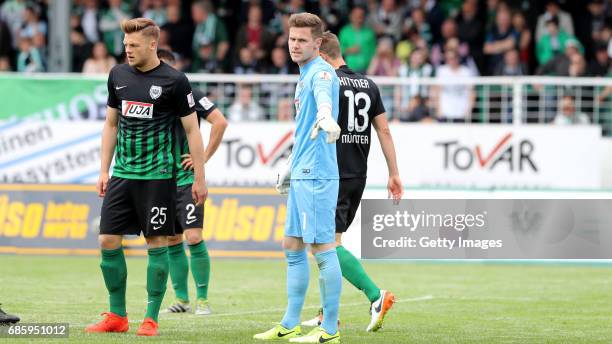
(185, 108)
(196, 149)
(395, 187)
(109, 142)
(218, 125)
(322, 90)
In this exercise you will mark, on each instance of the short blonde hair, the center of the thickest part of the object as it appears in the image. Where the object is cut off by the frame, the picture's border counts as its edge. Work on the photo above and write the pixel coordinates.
(310, 20)
(146, 26)
(330, 45)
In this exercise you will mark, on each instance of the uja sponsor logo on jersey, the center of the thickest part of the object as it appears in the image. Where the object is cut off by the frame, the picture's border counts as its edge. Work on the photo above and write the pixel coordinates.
(136, 109)
(512, 155)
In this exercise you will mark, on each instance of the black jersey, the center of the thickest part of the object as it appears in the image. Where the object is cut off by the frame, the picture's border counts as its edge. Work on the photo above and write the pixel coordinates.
(149, 105)
(204, 107)
(360, 102)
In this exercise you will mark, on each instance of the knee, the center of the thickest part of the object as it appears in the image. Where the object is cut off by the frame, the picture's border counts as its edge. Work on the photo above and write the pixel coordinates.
(175, 240)
(293, 244)
(193, 236)
(109, 242)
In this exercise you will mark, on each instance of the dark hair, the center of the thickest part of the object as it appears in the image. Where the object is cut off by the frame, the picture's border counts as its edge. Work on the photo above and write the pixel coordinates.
(553, 20)
(166, 55)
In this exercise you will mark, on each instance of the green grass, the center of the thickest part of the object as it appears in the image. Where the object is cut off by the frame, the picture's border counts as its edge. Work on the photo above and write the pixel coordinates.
(468, 303)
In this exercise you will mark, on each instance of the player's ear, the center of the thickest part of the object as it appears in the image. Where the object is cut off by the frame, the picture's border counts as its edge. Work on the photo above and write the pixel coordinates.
(152, 43)
(318, 42)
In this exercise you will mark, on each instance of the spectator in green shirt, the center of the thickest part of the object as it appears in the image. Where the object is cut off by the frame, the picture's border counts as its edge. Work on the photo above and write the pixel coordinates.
(209, 30)
(358, 42)
(553, 42)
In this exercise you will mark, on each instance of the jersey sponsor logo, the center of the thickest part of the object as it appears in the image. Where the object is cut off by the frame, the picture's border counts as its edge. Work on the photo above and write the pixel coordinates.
(155, 91)
(206, 103)
(136, 109)
(190, 100)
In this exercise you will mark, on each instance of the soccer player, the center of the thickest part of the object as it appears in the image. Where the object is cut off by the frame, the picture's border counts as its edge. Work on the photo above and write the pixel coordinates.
(360, 107)
(145, 99)
(313, 187)
(190, 218)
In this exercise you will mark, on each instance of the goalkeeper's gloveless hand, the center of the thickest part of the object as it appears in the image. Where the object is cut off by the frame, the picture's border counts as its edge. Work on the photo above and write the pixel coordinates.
(326, 122)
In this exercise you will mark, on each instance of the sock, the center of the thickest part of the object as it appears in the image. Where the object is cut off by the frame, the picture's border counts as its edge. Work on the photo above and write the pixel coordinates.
(297, 284)
(114, 271)
(354, 273)
(157, 277)
(330, 284)
(200, 268)
(179, 268)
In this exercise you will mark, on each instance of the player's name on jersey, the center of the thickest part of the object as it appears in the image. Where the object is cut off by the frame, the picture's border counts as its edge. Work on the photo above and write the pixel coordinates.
(355, 138)
(359, 83)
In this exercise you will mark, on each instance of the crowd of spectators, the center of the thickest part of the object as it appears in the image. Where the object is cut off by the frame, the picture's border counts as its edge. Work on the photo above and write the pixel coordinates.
(405, 38)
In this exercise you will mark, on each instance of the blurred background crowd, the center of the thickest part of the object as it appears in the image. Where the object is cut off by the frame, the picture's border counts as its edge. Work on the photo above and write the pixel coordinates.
(401, 38)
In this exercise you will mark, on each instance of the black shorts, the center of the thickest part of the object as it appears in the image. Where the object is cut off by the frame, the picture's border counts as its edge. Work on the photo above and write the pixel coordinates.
(132, 206)
(188, 215)
(349, 196)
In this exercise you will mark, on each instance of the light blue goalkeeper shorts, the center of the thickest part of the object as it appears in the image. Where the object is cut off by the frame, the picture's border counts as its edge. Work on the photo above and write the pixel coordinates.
(311, 210)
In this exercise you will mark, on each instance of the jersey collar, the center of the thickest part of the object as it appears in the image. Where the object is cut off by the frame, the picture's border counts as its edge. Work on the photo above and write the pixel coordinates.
(345, 69)
(312, 62)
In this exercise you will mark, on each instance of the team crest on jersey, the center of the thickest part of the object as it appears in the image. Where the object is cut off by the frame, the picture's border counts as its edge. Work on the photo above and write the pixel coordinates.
(136, 109)
(155, 92)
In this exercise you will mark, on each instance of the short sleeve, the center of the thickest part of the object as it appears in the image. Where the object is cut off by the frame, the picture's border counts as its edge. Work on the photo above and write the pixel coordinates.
(379, 107)
(204, 106)
(183, 97)
(112, 100)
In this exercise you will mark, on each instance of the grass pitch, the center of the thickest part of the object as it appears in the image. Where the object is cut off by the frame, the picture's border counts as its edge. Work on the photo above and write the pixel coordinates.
(437, 303)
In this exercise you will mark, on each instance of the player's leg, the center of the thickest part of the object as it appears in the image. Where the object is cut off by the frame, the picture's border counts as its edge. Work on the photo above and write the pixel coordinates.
(179, 272)
(116, 219)
(157, 278)
(200, 264)
(297, 269)
(352, 270)
(179, 265)
(157, 217)
(190, 219)
(320, 233)
(349, 198)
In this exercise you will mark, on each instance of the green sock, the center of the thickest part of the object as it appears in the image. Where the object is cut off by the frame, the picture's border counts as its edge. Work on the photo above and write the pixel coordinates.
(157, 277)
(354, 273)
(179, 268)
(200, 268)
(114, 271)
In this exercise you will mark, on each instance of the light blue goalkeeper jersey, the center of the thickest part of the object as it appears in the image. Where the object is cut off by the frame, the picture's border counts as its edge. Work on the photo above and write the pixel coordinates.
(314, 159)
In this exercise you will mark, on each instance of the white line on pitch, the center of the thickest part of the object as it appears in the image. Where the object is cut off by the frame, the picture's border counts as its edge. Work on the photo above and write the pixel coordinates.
(343, 305)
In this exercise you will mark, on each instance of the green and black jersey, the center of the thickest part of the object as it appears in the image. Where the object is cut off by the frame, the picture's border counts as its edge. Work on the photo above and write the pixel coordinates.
(203, 108)
(149, 105)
